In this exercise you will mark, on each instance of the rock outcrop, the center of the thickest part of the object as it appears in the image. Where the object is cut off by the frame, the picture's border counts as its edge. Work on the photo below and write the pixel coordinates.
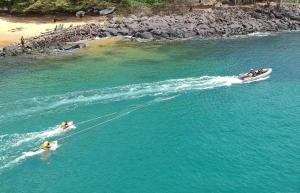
(221, 22)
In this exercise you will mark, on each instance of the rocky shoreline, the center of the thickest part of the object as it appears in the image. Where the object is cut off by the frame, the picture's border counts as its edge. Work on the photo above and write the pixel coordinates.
(222, 22)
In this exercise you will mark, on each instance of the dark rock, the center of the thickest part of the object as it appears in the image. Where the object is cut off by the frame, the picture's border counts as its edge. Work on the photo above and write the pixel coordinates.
(235, 26)
(73, 46)
(106, 34)
(146, 35)
(123, 31)
(164, 33)
(12, 50)
(2, 54)
(133, 27)
(80, 13)
(107, 11)
(112, 31)
(208, 23)
(189, 34)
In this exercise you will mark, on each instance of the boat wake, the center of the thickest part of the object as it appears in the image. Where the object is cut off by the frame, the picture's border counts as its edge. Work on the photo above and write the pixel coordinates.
(12, 145)
(25, 155)
(15, 146)
(256, 80)
(29, 107)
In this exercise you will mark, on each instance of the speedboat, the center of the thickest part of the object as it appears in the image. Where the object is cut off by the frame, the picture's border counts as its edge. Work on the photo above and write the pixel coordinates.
(254, 75)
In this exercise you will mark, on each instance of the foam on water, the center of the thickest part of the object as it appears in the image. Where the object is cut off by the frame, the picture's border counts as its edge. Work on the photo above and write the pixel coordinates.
(256, 80)
(15, 140)
(32, 106)
(14, 153)
(29, 154)
(260, 34)
(13, 145)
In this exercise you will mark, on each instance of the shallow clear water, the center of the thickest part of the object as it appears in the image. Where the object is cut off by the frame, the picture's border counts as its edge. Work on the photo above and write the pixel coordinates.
(166, 117)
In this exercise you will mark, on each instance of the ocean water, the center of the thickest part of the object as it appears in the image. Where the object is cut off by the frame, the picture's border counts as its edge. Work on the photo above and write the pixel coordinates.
(154, 117)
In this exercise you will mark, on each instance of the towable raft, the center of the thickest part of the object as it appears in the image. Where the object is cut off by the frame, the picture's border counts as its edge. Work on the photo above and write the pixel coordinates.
(255, 75)
(69, 126)
(53, 146)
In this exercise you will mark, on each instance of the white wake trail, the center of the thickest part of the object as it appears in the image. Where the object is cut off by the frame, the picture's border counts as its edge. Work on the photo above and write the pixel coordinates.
(14, 152)
(29, 107)
(12, 145)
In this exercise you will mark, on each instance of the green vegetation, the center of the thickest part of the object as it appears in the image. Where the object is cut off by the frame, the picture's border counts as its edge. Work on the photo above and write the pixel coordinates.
(48, 6)
(124, 6)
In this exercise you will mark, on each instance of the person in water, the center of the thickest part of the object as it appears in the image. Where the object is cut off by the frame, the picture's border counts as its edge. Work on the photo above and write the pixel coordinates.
(64, 125)
(46, 145)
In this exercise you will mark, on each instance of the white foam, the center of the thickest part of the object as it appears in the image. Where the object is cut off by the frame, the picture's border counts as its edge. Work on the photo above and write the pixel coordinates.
(74, 99)
(54, 146)
(260, 34)
(15, 140)
(13, 144)
(256, 80)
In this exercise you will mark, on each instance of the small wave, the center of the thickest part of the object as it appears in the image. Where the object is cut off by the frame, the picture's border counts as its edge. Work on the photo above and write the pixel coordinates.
(260, 34)
(254, 34)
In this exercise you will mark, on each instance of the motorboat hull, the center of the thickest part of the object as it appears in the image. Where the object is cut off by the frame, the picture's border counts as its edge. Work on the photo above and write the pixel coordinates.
(246, 77)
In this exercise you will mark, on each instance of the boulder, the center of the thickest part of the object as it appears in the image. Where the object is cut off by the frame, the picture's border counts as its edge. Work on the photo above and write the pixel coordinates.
(123, 31)
(208, 2)
(80, 13)
(235, 26)
(107, 11)
(73, 46)
(55, 45)
(112, 31)
(189, 34)
(1, 52)
(133, 27)
(218, 5)
(146, 35)
(12, 50)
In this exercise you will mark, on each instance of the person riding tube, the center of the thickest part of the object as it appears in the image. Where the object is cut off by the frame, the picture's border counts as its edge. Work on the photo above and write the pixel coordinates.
(46, 145)
(64, 125)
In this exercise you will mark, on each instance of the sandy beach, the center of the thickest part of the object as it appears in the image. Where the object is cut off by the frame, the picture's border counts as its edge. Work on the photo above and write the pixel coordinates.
(12, 28)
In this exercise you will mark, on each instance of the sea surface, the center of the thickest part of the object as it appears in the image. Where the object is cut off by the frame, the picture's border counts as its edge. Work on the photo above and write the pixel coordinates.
(154, 118)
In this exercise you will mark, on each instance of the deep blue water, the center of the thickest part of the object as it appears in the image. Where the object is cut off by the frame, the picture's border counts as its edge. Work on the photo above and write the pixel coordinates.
(169, 117)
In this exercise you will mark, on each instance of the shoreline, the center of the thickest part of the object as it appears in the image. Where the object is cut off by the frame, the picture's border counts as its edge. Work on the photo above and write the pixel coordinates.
(14, 27)
(202, 24)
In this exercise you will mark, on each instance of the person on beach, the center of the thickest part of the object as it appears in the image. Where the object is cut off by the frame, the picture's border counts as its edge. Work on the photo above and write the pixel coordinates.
(22, 42)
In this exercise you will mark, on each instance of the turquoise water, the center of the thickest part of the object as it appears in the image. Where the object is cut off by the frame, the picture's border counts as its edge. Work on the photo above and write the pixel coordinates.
(154, 117)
